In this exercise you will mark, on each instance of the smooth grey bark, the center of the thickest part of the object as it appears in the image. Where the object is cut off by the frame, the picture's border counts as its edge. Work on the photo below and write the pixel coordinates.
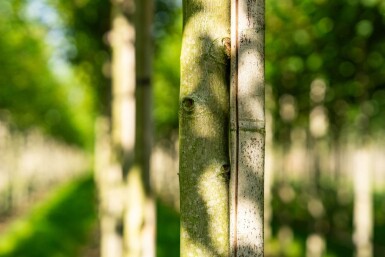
(247, 124)
(203, 129)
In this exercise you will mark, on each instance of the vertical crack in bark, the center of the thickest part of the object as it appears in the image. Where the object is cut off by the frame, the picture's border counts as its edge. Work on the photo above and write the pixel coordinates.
(236, 132)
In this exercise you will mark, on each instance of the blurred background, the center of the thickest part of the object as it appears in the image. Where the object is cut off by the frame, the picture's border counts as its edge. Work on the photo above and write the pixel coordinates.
(325, 97)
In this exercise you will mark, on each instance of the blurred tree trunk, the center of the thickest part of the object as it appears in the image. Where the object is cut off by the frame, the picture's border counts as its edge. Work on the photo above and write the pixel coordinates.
(268, 178)
(337, 145)
(204, 109)
(140, 212)
(363, 207)
(131, 125)
(122, 40)
(247, 121)
(109, 183)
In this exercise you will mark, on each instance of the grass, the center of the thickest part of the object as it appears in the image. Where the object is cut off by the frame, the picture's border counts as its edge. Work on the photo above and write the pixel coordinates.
(59, 227)
(62, 225)
(167, 244)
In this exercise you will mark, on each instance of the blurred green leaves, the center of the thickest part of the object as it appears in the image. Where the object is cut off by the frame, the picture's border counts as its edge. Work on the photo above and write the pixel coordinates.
(31, 95)
(166, 67)
(86, 27)
(339, 41)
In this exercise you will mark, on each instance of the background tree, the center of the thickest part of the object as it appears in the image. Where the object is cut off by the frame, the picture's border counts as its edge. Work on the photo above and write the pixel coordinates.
(122, 39)
(139, 223)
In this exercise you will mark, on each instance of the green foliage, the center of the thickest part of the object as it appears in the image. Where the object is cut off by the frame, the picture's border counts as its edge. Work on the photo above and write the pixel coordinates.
(340, 42)
(59, 227)
(336, 222)
(379, 224)
(299, 213)
(38, 89)
(166, 69)
(31, 95)
(87, 23)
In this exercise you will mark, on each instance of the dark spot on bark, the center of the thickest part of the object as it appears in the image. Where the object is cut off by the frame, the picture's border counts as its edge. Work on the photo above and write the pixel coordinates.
(225, 172)
(188, 104)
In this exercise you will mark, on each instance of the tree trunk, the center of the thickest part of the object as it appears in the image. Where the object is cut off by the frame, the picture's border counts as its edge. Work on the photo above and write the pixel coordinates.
(123, 85)
(109, 183)
(363, 207)
(204, 109)
(140, 237)
(247, 124)
(123, 111)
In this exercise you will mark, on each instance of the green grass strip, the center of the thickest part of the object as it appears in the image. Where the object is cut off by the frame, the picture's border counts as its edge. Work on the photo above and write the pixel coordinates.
(58, 227)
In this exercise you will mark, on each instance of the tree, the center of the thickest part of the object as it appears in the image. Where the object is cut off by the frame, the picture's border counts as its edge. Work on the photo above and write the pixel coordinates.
(204, 108)
(247, 123)
(130, 231)
(111, 184)
(140, 233)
